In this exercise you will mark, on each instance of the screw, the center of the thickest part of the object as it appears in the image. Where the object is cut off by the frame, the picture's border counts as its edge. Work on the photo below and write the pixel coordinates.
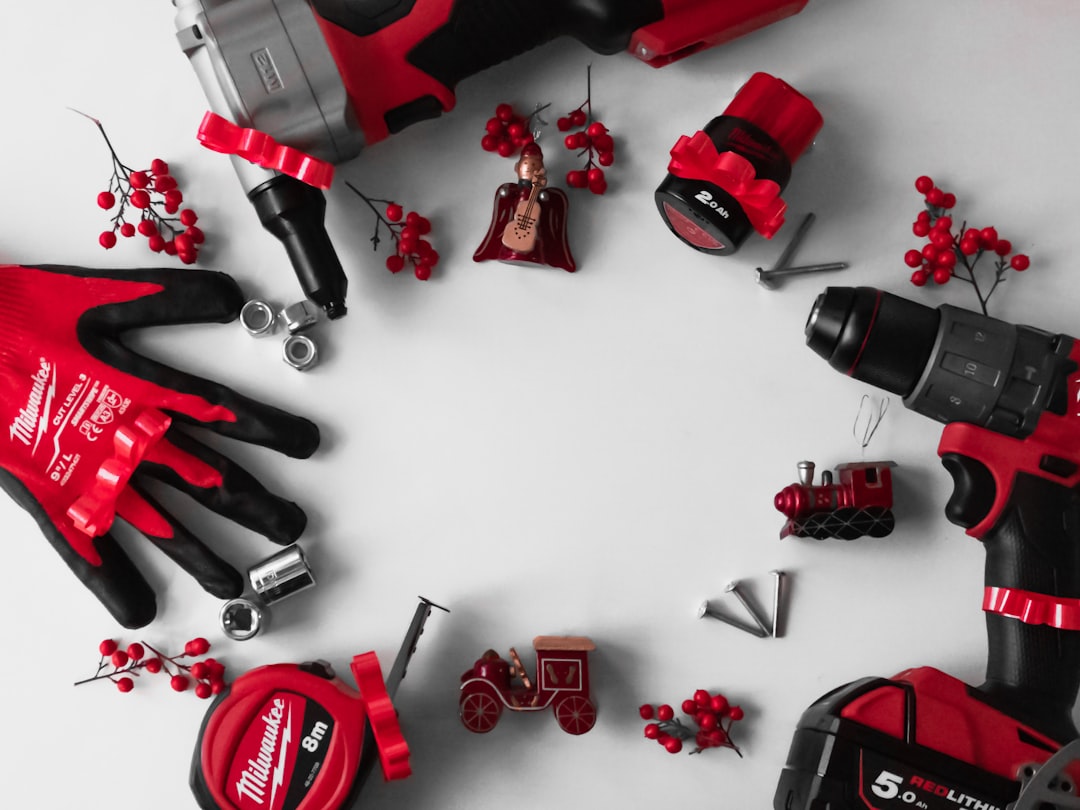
(706, 610)
(770, 279)
(778, 589)
(734, 589)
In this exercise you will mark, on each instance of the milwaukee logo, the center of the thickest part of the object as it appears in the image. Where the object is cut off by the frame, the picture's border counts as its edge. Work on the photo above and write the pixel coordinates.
(266, 767)
(29, 425)
(267, 70)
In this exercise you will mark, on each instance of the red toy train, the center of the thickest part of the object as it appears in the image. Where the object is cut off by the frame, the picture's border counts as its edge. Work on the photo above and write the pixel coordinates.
(858, 504)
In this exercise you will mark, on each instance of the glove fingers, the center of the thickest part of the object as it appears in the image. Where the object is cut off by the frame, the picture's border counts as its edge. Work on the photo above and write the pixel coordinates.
(116, 582)
(239, 496)
(216, 576)
(187, 296)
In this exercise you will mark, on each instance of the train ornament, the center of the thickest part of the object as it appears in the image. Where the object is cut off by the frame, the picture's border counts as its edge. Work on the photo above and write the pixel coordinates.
(855, 503)
(562, 682)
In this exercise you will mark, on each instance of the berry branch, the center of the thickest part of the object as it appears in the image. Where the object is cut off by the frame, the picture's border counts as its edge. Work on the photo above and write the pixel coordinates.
(508, 131)
(406, 235)
(594, 140)
(155, 194)
(949, 255)
(119, 665)
(712, 714)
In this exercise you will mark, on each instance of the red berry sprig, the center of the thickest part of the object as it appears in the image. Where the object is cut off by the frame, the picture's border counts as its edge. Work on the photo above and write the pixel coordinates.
(157, 198)
(120, 665)
(407, 229)
(508, 130)
(594, 140)
(948, 254)
(711, 713)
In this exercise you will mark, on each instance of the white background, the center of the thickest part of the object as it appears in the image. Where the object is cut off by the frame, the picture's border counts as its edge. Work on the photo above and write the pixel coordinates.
(548, 453)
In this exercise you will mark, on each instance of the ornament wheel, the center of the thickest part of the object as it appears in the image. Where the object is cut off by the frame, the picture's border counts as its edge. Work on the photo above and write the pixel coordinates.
(480, 711)
(575, 714)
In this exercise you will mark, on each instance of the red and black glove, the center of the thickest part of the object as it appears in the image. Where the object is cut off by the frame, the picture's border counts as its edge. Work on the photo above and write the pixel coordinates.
(86, 420)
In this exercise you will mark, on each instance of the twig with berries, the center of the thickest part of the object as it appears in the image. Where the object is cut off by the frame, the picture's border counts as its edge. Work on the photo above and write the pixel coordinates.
(154, 193)
(406, 229)
(949, 255)
(121, 665)
(508, 130)
(594, 140)
(711, 713)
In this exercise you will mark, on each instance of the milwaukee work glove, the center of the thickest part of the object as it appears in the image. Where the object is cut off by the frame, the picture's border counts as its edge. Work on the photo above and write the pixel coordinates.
(87, 420)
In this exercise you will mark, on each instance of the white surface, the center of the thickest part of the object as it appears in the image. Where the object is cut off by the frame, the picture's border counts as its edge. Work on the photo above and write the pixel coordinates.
(549, 453)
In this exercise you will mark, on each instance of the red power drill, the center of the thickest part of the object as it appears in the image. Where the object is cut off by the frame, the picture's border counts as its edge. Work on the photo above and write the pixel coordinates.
(1010, 398)
(296, 737)
(329, 77)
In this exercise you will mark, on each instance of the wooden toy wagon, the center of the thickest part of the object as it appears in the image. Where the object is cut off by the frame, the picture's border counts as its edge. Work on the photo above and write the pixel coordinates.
(562, 682)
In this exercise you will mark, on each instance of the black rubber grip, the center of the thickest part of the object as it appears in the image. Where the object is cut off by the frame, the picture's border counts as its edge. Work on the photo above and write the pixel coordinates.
(483, 33)
(1035, 546)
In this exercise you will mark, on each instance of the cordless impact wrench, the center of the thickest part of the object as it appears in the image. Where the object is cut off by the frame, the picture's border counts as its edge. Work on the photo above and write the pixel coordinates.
(329, 77)
(1010, 400)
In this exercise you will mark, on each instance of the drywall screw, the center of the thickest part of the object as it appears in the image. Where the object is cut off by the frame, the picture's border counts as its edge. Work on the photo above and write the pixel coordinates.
(770, 279)
(706, 610)
(734, 589)
(778, 588)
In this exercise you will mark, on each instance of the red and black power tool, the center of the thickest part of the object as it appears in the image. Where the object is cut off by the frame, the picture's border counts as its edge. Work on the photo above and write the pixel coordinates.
(296, 737)
(329, 77)
(1010, 398)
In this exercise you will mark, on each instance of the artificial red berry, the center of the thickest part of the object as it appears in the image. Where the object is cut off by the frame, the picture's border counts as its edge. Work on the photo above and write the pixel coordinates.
(135, 651)
(125, 684)
(197, 646)
(173, 197)
(489, 143)
(152, 665)
(646, 711)
(199, 670)
(673, 745)
(422, 270)
(179, 683)
(563, 124)
(127, 229)
(665, 712)
(1003, 247)
(688, 707)
(407, 246)
(196, 234)
(395, 263)
(940, 239)
(516, 130)
(119, 659)
(147, 227)
(164, 183)
(432, 258)
(969, 247)
(923, 184)
(708, 722)
(139, 180)
(948, 200)
(107, 239)
(184, 245)
(988, 238)
(652, 731)
(159, 166)
(947, 258)
(701, 697)
(595, 175)
(923, 216)
(107, 647)
(1020, 262)
(217, 669)
(394, 212)
(920, 227)
(505, 148)
(736, 713)
(598, 187)
(170, 248)
(942, 275)
(188, 217)
(156, 243)
(571, 140)
(596, 129)
(493, 126)
(504, 112)
(913, 258)
(140, 199)
(935, 196)
(719, 704)
(943, 223)
(577, 178)
(203, 691)
(577, 118)
(920, 277)
(930, 252)
(217, 686)
(106, 200)
(605, 158)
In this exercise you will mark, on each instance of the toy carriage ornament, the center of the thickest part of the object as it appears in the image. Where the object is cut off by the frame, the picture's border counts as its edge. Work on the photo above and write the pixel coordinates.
(857, 504)
(562, 682)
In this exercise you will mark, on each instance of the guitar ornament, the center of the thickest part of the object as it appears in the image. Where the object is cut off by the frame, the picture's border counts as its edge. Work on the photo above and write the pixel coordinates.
(528, 222)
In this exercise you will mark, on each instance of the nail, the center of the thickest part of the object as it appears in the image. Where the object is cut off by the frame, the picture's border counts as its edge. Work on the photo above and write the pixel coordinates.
(789, 249)
(734, 589)
(707, 610)
(778, 588)
(770, 279)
